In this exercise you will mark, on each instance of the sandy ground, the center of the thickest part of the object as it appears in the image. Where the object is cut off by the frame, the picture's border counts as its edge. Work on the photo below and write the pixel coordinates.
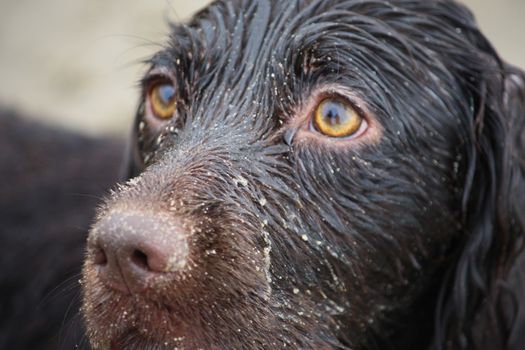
(77, 62)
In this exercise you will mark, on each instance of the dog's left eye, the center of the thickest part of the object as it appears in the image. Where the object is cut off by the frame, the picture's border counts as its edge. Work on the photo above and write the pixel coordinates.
(162, 100)
(336, 118)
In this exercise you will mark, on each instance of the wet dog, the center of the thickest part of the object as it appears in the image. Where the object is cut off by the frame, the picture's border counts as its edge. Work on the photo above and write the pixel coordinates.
(52, 180)
(318, 174)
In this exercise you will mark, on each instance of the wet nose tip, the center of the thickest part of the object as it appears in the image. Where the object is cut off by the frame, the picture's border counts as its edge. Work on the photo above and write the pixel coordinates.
(131, 250)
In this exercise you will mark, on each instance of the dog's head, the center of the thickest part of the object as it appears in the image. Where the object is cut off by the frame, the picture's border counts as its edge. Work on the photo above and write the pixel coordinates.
(311, 174)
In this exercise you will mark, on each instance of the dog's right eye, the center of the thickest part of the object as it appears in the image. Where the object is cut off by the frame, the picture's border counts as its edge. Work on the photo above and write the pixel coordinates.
(162, 100)
(338, 119)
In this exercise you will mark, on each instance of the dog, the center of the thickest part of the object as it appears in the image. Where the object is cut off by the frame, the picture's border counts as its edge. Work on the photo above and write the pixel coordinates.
(52, 180)
(321, 174)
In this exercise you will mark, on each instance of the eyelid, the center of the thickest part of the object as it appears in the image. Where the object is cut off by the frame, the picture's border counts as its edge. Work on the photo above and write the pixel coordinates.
(158, 73)
(153, 79)
(339, 96)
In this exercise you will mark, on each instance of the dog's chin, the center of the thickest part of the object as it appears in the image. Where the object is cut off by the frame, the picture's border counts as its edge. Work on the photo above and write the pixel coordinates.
(132, 338)
(154, 329)
(128, 321)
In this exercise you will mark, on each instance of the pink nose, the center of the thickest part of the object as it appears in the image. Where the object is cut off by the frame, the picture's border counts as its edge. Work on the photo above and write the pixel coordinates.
(132, 250)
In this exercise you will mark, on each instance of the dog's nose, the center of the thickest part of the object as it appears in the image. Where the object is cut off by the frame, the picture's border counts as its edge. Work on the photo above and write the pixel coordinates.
(132, 251)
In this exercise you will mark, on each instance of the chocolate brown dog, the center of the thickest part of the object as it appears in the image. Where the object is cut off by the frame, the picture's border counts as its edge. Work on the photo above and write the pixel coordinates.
(51, 182)
(318, 174)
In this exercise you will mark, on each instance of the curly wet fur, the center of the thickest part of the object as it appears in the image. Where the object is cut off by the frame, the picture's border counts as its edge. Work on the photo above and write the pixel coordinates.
(413, 241)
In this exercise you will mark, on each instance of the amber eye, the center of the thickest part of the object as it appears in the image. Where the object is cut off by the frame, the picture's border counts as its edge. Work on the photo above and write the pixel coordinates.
(162, 100)
(337, 118)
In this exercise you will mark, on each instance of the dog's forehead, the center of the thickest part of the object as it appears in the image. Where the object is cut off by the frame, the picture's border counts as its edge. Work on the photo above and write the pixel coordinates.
(251, 63)
(250, 43)
(252, 27)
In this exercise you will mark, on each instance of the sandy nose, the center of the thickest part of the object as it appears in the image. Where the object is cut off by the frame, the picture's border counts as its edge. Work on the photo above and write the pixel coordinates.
(132, 250)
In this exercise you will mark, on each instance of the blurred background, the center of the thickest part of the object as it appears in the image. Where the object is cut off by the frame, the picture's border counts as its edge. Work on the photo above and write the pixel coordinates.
(77, 63)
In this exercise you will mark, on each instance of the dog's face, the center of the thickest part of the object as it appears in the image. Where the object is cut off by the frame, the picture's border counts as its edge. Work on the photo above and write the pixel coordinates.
(299, 178)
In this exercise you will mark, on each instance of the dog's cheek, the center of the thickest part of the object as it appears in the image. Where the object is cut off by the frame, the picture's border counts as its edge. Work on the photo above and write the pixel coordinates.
(382, 221)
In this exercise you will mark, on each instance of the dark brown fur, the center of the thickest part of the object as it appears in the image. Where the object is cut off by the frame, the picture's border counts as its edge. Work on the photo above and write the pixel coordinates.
(411, 239)
(51, 180)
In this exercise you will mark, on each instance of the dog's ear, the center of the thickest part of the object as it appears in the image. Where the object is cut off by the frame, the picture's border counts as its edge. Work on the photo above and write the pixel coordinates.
(493, 260)
(478, 306)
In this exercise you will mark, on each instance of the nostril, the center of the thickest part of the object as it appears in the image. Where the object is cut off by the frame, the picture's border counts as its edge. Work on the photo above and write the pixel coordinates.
(140, 259)
(128, 257)
(99, 257)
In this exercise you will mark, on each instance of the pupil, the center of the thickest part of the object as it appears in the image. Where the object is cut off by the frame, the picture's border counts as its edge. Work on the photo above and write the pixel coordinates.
(166, 93)
(333, 115)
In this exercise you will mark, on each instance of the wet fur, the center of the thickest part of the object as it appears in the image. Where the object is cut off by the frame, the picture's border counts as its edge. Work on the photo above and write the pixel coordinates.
(413, 242)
